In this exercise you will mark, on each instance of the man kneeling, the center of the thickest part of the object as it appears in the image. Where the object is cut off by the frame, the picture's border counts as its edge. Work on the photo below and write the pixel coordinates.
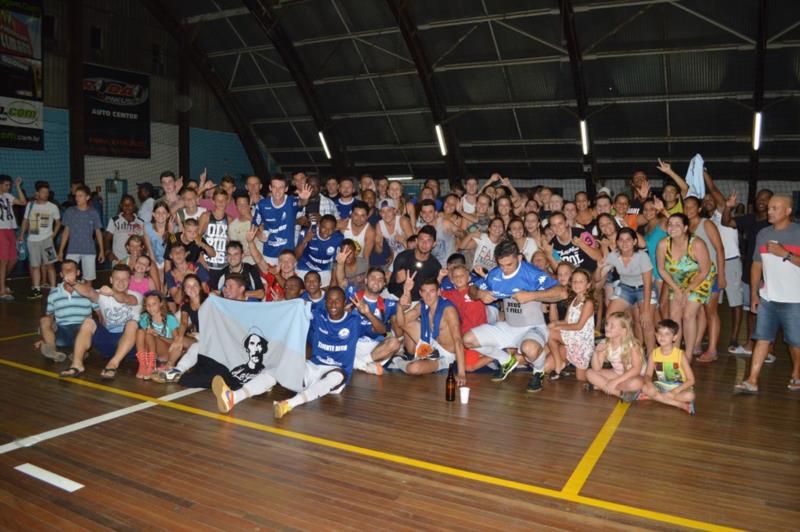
(437, 335)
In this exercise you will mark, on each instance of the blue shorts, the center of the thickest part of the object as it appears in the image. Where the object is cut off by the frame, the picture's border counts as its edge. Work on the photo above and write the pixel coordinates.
(633, 295)
(715, 289)
(65, 334)
(106, 341)
(772, 315)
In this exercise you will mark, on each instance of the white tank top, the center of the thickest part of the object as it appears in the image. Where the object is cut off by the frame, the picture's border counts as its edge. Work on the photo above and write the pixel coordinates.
(467, 208)
(391, 240)
(358, 239)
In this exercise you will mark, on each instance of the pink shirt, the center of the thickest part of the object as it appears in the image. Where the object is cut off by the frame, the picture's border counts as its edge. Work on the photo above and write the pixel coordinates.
(230, 210)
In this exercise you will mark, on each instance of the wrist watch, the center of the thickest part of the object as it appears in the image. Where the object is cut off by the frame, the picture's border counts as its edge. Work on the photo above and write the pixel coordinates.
(788, 256)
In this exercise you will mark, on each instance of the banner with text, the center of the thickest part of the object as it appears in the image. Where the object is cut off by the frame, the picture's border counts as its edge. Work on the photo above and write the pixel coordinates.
(117, 112)
(21, 107)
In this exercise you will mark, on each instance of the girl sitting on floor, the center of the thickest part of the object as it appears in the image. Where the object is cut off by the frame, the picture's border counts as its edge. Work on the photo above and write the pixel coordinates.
(624, 352)
(575, 335)
(155, 335)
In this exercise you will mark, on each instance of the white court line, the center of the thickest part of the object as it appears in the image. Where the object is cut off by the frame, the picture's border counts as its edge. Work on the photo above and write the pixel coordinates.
(37, 438)
(51, 478)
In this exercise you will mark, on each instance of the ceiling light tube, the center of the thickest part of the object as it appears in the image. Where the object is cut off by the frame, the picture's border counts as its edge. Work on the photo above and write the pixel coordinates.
(324, 145)
(440, 138)
(399, 177)
(756, 130)
(584, 138)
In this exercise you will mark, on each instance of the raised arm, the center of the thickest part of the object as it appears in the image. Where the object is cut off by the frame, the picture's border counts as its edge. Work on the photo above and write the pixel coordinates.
(681, 182)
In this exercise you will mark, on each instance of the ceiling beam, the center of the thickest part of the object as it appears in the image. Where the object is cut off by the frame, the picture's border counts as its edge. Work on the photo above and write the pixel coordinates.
(228, 103)
(590, 171)
(433, 91)
(269, 23)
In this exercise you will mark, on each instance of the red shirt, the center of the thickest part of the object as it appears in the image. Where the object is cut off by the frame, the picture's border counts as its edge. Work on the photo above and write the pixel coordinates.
(471, 313)
(270, 284)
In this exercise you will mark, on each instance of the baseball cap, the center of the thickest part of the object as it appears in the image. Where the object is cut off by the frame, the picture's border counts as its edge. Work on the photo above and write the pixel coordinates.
(604, 191)
(387, 203)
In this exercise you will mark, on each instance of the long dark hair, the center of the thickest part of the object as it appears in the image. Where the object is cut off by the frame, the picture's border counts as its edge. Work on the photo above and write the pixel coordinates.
(203, 294)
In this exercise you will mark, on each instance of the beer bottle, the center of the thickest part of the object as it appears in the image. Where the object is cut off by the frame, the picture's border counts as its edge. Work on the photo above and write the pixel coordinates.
(450, 386)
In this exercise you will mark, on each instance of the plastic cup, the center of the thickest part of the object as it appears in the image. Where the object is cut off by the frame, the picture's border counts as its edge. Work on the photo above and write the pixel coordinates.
(464, 394)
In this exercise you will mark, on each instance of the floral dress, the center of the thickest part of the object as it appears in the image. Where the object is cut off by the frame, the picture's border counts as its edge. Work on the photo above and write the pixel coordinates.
(579, 344)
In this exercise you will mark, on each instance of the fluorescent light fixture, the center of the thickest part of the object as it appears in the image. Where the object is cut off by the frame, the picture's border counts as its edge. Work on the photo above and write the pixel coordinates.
(324, 145)
(756, 130)
(399, 177)
(440, 138)
(584, 138)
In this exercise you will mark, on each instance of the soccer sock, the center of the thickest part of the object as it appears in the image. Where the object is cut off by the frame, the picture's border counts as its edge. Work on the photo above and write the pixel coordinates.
(261, 383)
(494, 352)
(319, 389)
(189, 359)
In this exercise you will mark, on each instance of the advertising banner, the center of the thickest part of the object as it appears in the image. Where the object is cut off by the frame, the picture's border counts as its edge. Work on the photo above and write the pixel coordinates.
(21, 107)
(117, 112)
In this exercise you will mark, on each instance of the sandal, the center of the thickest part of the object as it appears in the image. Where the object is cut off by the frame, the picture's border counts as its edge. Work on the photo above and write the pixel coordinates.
(794, 385)
(745, 388)
(72, 372)
(108, 374)
(708, 357)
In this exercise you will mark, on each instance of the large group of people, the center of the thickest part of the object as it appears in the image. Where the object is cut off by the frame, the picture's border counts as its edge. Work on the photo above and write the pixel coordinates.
(619, 291)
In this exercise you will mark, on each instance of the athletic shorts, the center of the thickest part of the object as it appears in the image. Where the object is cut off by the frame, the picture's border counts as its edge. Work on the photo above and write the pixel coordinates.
(734, 290)
(364, 348)
(772, 316)
(66, 334)
(503, 335)
(106, 341)
(8, 244)
(633, 295)
(314, 373)
(86, 263)
(41, 252)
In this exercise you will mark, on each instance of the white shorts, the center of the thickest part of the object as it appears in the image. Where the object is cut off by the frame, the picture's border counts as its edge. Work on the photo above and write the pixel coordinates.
(503, 335)
(734, 289)
(445, 357)
(325, 277)
(364, 349)
(41, 252)
(87, 264)
(316, 372)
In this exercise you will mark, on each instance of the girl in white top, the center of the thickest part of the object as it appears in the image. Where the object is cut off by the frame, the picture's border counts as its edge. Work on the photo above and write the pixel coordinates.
(484, 244)
(527, 246)
(573, 340)
(624, 352)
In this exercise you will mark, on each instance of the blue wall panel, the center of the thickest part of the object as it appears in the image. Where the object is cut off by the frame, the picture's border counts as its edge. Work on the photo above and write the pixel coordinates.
(220, 152)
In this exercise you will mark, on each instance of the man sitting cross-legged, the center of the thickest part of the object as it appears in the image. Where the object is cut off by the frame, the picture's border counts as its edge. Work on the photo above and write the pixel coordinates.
(436, 338)
(523, 288)
(114, 334)
(335, 333)
(66, 310)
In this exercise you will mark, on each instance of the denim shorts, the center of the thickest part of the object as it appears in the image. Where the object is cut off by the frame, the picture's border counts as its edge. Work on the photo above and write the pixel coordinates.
(772, 315)
(106, 341)
(66, 334)
(633, 295)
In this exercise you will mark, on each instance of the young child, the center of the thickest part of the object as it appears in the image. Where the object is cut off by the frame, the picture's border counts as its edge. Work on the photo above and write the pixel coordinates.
(188, 331)
(136, 248)
(80, 224)
(155, 335)
(675, 380)
(558, 311)
(576, 334)
(624, 352)
(140, 280)
(156, 236)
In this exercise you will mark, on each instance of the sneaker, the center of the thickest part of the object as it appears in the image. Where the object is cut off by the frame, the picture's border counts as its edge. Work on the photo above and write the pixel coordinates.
(535, 384)
(36, 293)
(739, 350)
(280, 408)
(505, 370)
(48, 351)
(223, 394)
(770, 359)
(167, 376)
(6, 297)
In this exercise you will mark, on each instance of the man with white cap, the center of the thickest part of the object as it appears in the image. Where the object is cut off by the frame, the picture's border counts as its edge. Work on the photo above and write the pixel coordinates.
(392, 230)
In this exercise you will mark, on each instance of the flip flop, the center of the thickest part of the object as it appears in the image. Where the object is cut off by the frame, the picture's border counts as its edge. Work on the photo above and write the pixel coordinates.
(745, 388)
(72, 372)
(794, 385)
(108, 374)
(707, 357)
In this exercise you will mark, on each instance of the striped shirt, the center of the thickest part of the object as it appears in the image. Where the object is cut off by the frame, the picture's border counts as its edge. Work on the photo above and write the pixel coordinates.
(68, 308)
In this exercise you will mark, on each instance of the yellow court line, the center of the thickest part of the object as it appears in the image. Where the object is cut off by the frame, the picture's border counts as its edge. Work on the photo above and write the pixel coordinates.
(394, 458)
(595, 450)
(18, 336)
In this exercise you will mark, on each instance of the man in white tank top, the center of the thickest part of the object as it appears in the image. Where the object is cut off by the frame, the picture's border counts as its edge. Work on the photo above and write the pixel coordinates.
(358, 230)
(393, 230)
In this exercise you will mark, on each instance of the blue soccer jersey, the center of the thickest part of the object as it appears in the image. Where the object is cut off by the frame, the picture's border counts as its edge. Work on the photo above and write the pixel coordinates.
(319, 255)
(381, 308)
(527, 278)
(345, 208)
(279, 223)
(333, 343)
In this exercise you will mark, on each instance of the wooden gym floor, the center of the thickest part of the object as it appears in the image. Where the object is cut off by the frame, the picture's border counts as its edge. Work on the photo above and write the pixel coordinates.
(389, 453)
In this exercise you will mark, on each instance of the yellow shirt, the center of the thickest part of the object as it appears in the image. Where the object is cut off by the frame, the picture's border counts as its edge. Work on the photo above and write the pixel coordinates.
(669, 368)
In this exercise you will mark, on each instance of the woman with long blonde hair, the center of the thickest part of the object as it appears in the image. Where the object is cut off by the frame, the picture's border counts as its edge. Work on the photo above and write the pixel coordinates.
(624, 352)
